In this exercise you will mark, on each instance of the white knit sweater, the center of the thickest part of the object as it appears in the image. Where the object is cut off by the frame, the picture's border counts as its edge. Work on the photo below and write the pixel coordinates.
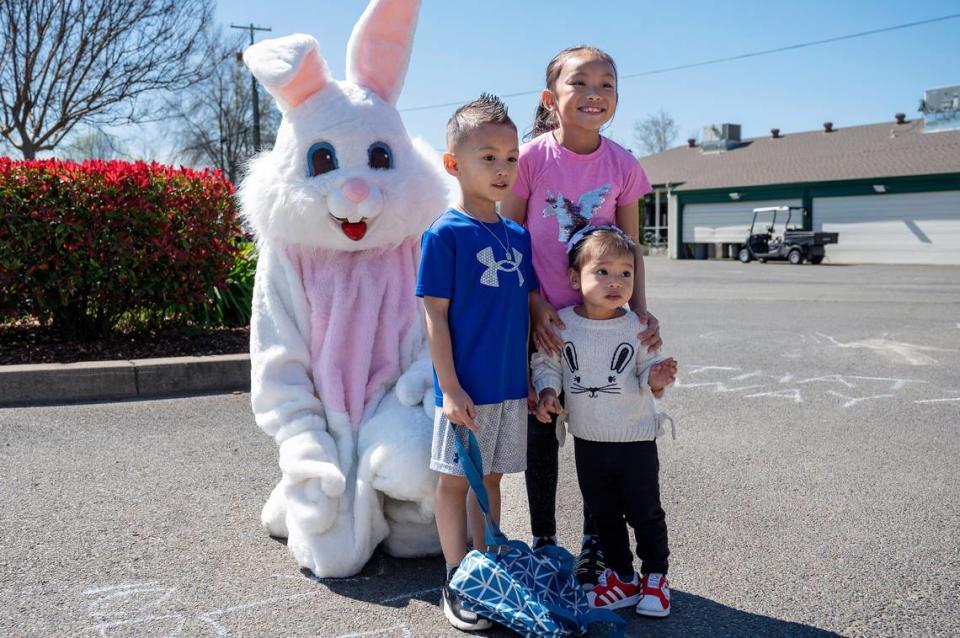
(604, 373)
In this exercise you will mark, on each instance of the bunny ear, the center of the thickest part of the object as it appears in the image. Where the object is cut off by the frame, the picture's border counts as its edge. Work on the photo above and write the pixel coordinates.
(291, 68)
(379, 47)
(621, 357)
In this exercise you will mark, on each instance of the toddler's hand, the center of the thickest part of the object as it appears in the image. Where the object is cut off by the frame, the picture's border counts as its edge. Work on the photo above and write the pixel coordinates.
(663, 374)
(651, 336)
(458, 407)
(549, 404)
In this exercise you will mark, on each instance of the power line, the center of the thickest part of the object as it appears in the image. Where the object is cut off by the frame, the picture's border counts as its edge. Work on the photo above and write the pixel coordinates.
(731, 58)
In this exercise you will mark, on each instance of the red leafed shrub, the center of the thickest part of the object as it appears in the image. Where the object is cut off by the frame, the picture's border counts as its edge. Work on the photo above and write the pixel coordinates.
(84, 245)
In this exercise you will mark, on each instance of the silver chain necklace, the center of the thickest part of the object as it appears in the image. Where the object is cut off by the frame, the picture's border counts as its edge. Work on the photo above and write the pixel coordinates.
(506, 231)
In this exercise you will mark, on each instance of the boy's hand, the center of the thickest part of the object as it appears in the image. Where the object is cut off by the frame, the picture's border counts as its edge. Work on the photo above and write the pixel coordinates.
(531, 399)
(549, 404)
(458, 407)
(663, 374)
(651, 336)
(544, 318)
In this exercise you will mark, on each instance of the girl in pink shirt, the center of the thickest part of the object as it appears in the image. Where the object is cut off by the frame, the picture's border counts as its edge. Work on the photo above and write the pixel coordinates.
(569, 176)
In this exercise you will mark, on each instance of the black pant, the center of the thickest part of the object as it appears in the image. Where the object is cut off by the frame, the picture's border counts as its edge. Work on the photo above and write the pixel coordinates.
(541, 477)
(619, 483)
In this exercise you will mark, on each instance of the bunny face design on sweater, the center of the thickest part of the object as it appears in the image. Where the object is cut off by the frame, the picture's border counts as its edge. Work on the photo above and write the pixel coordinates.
(609, 384)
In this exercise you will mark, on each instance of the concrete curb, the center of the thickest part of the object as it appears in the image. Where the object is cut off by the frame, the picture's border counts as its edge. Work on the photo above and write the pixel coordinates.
(59, 383)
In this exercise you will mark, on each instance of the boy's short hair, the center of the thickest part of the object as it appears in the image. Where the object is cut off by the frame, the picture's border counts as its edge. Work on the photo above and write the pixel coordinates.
(598, 242)
(487, 109)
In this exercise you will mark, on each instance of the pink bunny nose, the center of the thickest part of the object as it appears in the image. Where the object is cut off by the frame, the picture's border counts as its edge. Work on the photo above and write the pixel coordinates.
(356, 190)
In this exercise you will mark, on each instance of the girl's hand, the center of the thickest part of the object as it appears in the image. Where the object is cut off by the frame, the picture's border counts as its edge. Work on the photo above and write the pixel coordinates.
(549, 404)
(663, 374)
(651, 336)
(545, 336)
(458, 407)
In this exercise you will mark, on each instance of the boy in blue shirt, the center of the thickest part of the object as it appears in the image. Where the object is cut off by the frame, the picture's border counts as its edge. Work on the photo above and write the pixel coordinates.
(475, 278)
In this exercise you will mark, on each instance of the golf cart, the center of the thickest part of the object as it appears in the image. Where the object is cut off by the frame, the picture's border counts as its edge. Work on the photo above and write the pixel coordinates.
(793, 244)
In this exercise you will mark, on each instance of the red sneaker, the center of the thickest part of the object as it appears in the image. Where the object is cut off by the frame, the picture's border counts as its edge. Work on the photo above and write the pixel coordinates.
(612, 593)
(654, 596)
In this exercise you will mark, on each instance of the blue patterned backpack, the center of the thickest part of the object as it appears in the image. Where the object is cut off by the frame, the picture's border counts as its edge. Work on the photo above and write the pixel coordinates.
(534, 593)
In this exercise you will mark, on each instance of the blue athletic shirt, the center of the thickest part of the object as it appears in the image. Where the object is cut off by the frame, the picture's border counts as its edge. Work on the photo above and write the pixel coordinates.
(464, 260)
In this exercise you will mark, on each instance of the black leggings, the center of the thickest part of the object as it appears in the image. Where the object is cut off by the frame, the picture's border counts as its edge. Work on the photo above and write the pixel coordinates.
(620, 483)
(541, 477)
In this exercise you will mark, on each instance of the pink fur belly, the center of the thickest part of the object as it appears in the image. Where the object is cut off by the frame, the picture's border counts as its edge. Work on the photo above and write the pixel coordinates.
(362, 309)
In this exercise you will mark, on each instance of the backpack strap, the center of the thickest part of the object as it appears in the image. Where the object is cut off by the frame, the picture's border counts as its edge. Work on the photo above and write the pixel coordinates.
(472, 463)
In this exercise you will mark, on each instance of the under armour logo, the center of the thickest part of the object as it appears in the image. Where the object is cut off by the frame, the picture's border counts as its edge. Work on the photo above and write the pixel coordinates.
(491, 276)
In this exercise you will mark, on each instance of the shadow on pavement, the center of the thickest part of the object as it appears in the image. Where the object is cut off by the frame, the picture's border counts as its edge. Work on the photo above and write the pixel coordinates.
(394, 582)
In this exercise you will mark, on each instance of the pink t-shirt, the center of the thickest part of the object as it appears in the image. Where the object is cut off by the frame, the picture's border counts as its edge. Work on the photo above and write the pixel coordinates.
(563, 189)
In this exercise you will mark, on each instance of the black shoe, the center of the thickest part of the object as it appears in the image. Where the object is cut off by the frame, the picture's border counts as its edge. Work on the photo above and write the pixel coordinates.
(458, 616)
(543, 541)
(590, 563)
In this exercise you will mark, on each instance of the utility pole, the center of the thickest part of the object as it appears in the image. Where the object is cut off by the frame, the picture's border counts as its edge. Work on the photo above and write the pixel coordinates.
(253, 83)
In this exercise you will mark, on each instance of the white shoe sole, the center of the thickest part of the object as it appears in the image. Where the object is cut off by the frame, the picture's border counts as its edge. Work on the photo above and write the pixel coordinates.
(620, 604)
(480, 625)
(653, 613)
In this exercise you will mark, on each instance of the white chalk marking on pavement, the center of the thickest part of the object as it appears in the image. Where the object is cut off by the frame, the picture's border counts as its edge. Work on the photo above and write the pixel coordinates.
(787, 378)
(856, 400)
(113, 587)
(793, 393)
(897, 351)
(830, 378)
(420, 592)
(102, 628)
(717, 386)
(114, 595)
(749, 375)
(897, 383)
(209, 617)
(404, 632)
(937, 400)
(697, 369)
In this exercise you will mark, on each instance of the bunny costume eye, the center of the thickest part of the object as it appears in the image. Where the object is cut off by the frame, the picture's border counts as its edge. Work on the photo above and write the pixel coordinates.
(379, 156)
(321, 158)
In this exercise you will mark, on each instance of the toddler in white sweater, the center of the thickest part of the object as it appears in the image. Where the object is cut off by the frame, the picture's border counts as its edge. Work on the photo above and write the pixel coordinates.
(609, 382)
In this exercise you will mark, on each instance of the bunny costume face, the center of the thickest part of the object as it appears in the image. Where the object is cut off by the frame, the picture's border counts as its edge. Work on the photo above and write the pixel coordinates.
(343, 174)
(339, 368)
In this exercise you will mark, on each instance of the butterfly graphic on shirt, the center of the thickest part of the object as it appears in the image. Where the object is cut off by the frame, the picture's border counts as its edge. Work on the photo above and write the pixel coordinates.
(622, 356)
(572, 216)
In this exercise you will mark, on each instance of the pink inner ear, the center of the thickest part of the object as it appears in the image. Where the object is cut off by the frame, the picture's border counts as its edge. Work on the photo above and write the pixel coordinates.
(308, 79)
(380, 47)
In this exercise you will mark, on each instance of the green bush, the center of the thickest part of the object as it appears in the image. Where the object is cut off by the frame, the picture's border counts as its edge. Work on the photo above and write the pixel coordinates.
(88, 246)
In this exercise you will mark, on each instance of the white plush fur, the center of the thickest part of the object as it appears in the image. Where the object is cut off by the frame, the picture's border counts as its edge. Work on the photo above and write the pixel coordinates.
(345, 487)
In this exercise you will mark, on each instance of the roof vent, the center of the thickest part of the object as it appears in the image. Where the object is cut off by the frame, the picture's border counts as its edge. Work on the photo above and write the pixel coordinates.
(941, 109)
(828, 127)
(775, 133)
(692, 142)
(901, 118)
(718, 138)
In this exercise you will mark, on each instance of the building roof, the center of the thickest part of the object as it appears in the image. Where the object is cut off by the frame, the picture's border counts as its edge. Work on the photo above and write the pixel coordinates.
(858, 152)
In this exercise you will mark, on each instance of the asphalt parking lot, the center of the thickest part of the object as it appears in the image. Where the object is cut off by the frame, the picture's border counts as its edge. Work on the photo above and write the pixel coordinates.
(813, 488)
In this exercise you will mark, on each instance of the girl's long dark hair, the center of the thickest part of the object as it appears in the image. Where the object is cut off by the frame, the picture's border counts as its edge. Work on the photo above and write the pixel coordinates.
(545, 120)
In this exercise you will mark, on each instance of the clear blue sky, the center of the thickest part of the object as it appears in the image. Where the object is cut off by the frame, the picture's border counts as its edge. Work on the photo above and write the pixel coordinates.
(466, 47)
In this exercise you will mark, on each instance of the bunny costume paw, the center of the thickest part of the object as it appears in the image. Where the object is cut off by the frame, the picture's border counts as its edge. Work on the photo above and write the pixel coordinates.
(338, 373)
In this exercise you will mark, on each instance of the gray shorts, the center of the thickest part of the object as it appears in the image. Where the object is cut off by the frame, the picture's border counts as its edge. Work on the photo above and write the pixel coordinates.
(502, 438)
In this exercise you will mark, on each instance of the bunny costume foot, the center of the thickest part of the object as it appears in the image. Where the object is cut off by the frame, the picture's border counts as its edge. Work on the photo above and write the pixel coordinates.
(338, 373)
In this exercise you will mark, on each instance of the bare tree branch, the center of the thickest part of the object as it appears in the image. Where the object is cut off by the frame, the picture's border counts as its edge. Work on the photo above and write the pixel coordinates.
(94, 62)
(655, 133)
(216, 116)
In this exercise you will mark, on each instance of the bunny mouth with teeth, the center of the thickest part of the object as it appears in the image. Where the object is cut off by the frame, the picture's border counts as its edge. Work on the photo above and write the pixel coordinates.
(353, 230)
